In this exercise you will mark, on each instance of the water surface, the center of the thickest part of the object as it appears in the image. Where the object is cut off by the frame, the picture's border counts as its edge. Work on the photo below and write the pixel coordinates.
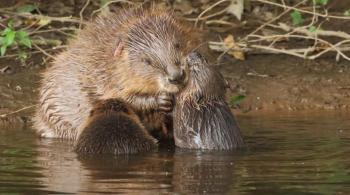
(300, 154)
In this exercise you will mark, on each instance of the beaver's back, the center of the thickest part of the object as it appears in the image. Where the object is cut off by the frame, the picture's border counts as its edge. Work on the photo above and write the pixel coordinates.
(113, 128)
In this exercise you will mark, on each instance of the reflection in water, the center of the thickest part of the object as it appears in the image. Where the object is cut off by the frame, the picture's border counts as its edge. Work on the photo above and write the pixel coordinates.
(61, 169)
(285, 155)
(203, 172)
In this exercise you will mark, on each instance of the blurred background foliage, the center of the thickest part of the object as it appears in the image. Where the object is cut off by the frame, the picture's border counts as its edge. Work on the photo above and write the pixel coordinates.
(238, 27)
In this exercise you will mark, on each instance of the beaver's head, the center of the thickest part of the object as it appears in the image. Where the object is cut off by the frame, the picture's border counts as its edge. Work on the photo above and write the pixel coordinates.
(205, 82)
(157, 46)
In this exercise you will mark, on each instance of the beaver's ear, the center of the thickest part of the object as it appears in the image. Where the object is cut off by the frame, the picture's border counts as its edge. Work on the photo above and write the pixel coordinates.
(119, 47)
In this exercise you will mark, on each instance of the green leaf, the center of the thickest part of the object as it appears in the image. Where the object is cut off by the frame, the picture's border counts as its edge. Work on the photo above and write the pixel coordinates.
(312, 29)
(3, 50)
(26, 8)
(347, 13)
(6, 30)
(321, 2)
(9, 38)
(297, 19)
(23, 38)
(236, 99)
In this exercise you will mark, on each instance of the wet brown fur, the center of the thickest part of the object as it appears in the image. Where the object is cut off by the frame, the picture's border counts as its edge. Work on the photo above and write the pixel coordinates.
(202, 118)
(113, 128)
(105, 61)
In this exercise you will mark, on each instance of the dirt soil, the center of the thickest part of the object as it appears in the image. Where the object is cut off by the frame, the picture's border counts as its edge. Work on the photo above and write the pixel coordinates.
(276, 83)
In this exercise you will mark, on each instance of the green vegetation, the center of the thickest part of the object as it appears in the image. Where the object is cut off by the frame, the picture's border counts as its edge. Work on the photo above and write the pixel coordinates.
(10, 37)
(312, 28)
(297, 19)
(26, 8)
(347, 13)
(320, 2)
(235, 100)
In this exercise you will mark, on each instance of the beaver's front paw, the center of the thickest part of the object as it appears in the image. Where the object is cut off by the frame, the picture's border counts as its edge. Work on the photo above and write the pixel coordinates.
(165, 102)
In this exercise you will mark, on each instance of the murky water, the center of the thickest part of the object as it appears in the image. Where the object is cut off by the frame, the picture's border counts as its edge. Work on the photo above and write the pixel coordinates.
(285, 155)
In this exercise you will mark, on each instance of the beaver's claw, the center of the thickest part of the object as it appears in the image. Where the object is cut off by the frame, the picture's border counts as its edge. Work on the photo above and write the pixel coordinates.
(165, 102)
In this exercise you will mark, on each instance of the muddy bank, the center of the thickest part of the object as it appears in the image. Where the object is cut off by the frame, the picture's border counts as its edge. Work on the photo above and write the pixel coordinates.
(18, 90)
(279, 83)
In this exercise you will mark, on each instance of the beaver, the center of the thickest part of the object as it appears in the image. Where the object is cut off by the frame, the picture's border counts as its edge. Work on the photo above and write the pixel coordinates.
(113, 127)
(202, 118)
(136, 55)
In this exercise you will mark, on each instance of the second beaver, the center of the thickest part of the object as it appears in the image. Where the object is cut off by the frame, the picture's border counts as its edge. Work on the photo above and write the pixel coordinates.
(202, 118)
(113, 128)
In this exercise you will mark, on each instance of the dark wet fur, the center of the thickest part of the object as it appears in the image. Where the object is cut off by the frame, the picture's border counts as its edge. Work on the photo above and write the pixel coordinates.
(113, 128)
(202, 118)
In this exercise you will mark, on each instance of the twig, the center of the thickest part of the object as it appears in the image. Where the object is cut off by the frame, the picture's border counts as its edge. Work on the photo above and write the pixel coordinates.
(51, 42)
(260, 49)
(110, 2)
(208, 9)
(81, 13)
(320, 46)
(302, 10)
(273, 20)
(41, 17)
(318, 32)
(60, 30)
(315, 37)
(258, 75)
(52, 30)
(221, 22)
(17, 111)
(334, 47)
(43, 51)
(34, 52)
(277, 51)
(209, 16)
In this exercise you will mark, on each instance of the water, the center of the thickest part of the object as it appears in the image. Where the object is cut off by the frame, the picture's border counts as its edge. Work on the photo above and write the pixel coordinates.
(285, 155)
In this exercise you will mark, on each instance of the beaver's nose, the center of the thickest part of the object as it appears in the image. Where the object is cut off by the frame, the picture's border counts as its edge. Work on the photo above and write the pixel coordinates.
(195, 58)
(177, 77)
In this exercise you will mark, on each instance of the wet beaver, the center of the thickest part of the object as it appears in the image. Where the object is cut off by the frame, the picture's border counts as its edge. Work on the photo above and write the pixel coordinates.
(202, 118)
(137, 56)
(113, 127)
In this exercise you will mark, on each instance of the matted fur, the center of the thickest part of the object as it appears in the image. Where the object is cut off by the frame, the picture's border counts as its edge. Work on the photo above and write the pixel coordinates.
(106, 60)
(202, 118)
(113, 128)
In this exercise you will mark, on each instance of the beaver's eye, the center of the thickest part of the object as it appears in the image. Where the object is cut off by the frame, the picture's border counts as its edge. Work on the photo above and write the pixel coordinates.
(147, 61)
(177, 45)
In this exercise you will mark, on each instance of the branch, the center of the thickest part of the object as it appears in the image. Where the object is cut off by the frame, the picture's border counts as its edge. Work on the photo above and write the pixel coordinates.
(300, 52)
(16, 111)
(318, 32)
(81, 13)
(41, 17)
(302, 10)
(274, 19)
